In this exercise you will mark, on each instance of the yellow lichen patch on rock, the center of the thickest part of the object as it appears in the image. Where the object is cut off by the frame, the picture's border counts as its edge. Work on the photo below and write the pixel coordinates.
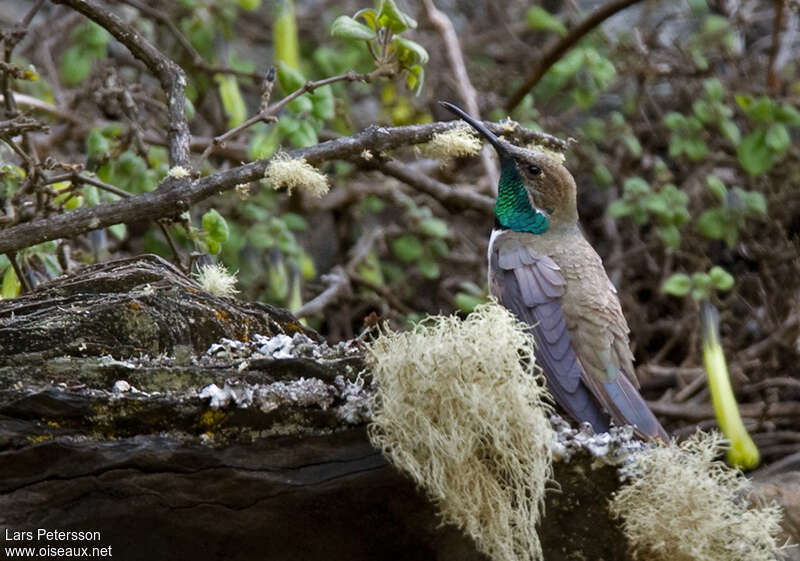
(680, 504)
(461, 409)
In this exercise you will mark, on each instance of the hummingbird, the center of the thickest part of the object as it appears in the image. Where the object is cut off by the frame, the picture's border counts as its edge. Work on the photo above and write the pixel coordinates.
(545, 272)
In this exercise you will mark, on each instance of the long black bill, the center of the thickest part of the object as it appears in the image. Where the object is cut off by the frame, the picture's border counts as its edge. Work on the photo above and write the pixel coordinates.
(478, 126)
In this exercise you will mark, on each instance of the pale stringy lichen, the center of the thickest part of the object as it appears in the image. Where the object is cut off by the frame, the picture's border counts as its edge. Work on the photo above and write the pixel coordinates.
(555, 154)
(453, 143)
(215, 279)
(460, 408)
(680, 504)
(284, 171)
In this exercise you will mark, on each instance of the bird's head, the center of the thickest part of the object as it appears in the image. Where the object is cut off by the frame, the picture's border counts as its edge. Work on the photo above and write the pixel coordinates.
(532, 182)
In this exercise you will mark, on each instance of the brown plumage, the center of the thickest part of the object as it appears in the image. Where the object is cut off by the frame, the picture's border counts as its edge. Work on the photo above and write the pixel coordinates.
(551, 278)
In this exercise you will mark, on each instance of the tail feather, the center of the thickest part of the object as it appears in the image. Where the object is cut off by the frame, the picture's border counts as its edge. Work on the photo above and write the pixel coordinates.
(627, 407)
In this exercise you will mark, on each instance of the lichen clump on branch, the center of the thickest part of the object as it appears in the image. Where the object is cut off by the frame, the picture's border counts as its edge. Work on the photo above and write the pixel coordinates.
(453, 143)
(461, 408)
(680, 504)
(284, 171)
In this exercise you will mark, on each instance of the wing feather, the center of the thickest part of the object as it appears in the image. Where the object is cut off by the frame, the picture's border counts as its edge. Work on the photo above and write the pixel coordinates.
(589, 371)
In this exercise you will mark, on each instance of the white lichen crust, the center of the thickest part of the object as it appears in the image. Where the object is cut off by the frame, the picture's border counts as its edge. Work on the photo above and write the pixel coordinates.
(287, 172)
(680, 504)
(460, 408)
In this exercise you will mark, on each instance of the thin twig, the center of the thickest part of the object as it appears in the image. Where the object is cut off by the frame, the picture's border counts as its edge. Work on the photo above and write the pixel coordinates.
(772, 72)
(23, 280)
(466, 91)
(173, 197)
(557, 49)
(267, 114)
(458, 199)
(78, 178)
(196, 58)
(171, 76)
(338, 288)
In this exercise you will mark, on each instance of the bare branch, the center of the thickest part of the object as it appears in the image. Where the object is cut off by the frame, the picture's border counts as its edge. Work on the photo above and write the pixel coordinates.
(338, 288)
(465, 89)
(557, 49)
(267, 114)
(197, 60)
(171, 76)
(175, 196)
(459, 199)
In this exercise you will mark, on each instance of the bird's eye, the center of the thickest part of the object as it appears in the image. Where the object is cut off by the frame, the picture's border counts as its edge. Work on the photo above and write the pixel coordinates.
(533, 169)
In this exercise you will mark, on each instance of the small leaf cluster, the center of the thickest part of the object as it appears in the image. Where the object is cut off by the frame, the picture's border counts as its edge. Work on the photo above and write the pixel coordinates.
(735, 206)
(47, 267)
(667, 206)
(699, 285)
(585, 70)
(215, 232)
(380, 30)
(687, 132)
(424, 244)
(89, 42)
(769, 139)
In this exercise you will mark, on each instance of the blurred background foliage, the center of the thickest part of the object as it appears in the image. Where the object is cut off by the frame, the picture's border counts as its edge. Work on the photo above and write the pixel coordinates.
(686, 155)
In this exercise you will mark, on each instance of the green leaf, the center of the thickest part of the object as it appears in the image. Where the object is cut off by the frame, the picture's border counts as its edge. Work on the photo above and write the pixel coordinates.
(389, 15)
(323, 103)
(232, 100)
(713, 223)
(11, 284)
(695, 148)
(429, 269)
(407, 248)
(346, 27)
(678, 284)
(415, 77)
(777, 137)
(304, 135)
(720, 278)
(754, 154)
(788, 114)
(289, 78)
(602, 175)
(76, 63)
(300, 104)
(249, 5)
(674, 120)
(284, 34)
(216, 226)
(594, 129)
(717, 187)
(755, 202)
(467, 302)
(620, 208)
(635, 187)
(294, 221)
(633, 145)
(410, 52)
(539, 18)
(730, 130)
(97, 145)
(670, 235)
(714, 89)
(702, 110)
(433, 227)
(264, 143)
(119, 231)
(368, 15)
(762, 109)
